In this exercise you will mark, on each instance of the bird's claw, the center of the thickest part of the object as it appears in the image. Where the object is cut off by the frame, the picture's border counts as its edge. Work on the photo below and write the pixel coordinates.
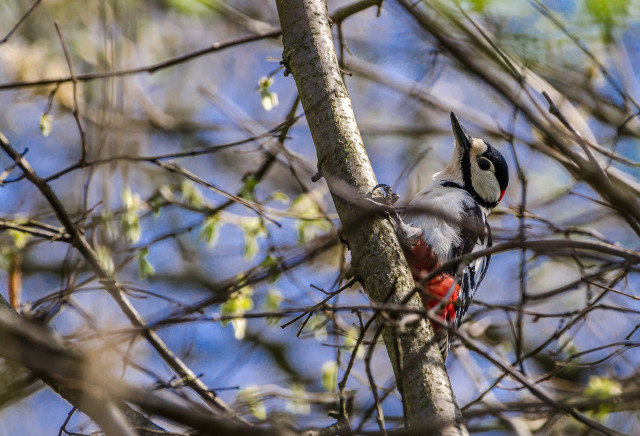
(389, 198)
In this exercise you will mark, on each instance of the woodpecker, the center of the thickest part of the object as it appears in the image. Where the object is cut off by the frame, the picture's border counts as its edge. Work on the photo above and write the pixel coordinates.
(448, 219)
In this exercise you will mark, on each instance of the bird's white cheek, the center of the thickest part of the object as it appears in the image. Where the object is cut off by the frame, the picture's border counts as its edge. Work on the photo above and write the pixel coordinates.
(486, 185)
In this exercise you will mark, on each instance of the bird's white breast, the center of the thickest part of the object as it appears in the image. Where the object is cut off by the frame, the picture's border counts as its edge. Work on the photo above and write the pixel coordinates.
(438, 211)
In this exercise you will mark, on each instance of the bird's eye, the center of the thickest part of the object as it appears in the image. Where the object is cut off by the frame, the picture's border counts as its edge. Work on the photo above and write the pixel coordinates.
(484, 164)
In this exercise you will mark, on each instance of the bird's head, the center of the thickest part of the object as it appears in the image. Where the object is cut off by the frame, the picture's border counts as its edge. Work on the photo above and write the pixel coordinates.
(477, 166)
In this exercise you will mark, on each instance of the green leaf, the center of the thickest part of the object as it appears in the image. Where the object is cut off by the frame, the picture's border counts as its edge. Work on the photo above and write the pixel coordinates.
(238, 303)
(297, 403)
(251, 397)
(191, 7)
(129, 220)
(252, 228)
(248, 188)
(350, 341)
(318, 325)
(281, 197)
(609, 14)
(210, 230)
(145, 269)
(46, 124)
(309, 226)
(271, 304)
(191, 194)
(272, 264)
(156, 204)
(329, 375)
(607, 11)
(131, 227)
(309, 229)
(104, 256)
(601, 388)
(20, 239)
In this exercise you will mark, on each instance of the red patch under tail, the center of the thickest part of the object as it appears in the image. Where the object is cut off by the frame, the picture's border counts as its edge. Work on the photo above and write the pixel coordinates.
(423, 260)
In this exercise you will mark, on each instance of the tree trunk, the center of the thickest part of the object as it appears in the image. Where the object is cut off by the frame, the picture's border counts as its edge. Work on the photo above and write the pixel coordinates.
(310, 56)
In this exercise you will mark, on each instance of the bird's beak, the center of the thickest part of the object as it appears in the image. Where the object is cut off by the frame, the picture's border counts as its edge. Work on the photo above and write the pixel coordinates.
(463, 140)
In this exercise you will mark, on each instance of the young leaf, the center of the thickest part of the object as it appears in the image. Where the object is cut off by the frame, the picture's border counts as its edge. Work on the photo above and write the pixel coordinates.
(239, 302)
(129, 219)
(252, 228)
(104, 256)
(191, 194)
(145, 269)
(251, 397)
(350, 341)
(20, 239)
(272, 264)
(46, 124)
(271, 304)
(209, 232)
(249, 186)
(329, 375)
(297, 403)
(601, 388)
(309, 226)
(318, 325)
(281, 197)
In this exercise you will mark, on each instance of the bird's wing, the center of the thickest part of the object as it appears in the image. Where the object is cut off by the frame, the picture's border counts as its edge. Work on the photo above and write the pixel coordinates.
(476, 236)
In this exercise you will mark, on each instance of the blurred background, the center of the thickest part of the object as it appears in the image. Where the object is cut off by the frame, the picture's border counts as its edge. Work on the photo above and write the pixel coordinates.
(191, 175)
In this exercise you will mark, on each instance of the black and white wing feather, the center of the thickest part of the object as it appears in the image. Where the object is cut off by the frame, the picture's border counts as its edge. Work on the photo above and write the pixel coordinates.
(476, 236)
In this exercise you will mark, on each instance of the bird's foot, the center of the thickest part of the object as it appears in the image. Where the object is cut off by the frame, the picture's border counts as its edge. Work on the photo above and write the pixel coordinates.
(389, 198)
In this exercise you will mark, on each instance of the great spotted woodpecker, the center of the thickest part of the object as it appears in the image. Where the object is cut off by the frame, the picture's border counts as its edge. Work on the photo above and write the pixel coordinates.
(448, 219)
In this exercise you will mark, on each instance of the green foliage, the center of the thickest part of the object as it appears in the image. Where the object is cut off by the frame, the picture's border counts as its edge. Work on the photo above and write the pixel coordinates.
(156, 204)
(210, 230)
(191, 194)
(272, 301)
(479, 5)
(272, 264)
(20, 239)
(251, 397)
(46, 124)
(268, 98)
(8, 250)
(129, 220)
(602, 388)
(281, 197)
(252, 229)
(238, 303)
(350, 341)
(609, 14)
(249, 186)
(104, 256)
(192, 7)
(297, 403)
(318, 325)
(310, 225)
(108, 230)
(329, 375)
(145, 269)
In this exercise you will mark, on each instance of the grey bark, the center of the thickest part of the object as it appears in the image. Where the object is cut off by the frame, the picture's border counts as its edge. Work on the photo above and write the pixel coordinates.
(310, 56)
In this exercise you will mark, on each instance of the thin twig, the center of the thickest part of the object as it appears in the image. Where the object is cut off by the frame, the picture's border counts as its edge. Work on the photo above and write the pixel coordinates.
(20, 21)
(76, 111)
